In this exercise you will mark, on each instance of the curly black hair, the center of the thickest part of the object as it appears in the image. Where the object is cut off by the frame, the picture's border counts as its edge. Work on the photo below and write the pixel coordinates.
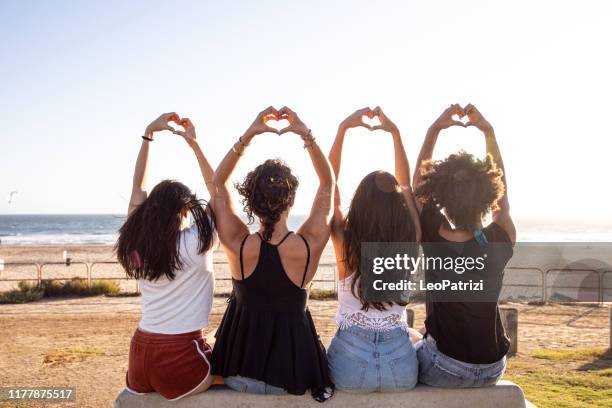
(466, 187)
(267, 191)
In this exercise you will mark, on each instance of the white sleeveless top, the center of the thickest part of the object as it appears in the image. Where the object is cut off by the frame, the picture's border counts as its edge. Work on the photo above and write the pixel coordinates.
(181, 305)
(350, 312)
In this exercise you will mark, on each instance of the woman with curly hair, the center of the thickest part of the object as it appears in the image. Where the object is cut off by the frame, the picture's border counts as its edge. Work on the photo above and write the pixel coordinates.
(267, 342)
(464, 344)
(173, 263)
(372, 350)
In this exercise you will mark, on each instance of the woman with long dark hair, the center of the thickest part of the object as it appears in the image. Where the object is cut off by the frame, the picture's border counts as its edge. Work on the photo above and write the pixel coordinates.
(372, 349)
(465, 344)
(173, 264)
(267, 342)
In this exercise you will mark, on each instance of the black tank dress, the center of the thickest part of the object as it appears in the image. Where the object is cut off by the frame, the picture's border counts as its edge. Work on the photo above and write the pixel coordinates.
(267, 332)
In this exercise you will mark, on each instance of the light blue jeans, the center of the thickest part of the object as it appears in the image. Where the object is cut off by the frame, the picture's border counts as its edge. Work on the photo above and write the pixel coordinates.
(439, 370)
(252, 386)
(363, 361)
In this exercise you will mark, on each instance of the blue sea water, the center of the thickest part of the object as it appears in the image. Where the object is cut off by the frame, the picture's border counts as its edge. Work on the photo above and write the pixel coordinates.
(59, 229)
(70, 229)
(102, 229)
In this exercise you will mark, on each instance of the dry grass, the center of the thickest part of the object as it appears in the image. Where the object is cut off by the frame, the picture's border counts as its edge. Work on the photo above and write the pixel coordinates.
(26, 292)
(30, 292)
(63, 357)
(79, 287)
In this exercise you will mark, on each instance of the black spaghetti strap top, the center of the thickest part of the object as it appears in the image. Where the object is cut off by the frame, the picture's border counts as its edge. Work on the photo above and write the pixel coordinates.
(267, 332)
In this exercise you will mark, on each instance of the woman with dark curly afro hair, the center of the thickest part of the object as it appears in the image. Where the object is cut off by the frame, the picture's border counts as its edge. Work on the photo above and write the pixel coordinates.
(267, 342)
(464, 343)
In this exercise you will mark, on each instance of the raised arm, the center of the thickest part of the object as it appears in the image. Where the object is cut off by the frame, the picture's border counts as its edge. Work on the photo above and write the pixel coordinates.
(502, 215)
(445, 121)
(317, 226)
(335, 158)
(139, 181)
(189, 134)
(230, 227)
(402, 166)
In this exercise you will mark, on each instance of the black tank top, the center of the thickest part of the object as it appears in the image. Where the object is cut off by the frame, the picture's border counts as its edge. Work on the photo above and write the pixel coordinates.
(267, 332)
(471, 332)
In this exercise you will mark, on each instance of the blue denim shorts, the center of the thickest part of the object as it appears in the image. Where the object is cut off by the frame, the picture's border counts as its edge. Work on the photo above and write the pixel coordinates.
(439, 370)
(252, 386)
(362, 360)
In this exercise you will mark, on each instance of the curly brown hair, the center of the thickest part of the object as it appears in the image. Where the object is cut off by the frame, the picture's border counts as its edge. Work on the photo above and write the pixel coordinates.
(267, 191)
(466, 187)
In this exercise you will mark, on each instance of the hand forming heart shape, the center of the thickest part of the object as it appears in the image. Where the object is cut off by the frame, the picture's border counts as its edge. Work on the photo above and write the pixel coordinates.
(368, 118)
(270, 120)
(454, 116)
(371, 119)
(276, 122)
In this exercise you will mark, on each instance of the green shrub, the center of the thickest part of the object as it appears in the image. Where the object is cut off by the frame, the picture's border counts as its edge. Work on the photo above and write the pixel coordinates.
(26, 292)
(321, 294)
(105, 287)
(78, 287)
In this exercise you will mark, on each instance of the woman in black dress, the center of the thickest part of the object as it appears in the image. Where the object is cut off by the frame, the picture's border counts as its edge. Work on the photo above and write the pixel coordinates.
(266, 342)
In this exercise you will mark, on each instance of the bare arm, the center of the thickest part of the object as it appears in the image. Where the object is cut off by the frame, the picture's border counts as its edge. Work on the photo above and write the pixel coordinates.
(402, 167)
(316, 228)
(445, 121)
(502, 215)
(190, 137)
(139, 180)
(317, 225)
(335, 159)
(231, 228)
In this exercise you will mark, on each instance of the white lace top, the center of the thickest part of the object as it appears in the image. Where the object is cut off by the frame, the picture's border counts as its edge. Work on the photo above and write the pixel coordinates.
(351, 314)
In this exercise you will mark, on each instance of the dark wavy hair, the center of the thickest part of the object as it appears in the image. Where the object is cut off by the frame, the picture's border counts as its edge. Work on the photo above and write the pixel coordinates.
(149, 240)
(379, 212)
(267, 191)
(465, 187)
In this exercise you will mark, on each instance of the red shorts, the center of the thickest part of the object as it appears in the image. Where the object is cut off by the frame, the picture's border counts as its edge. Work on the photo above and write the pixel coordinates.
(171, 364)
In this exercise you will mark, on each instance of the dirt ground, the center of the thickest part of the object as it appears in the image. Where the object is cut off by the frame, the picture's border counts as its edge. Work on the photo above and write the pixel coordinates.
(84, 342)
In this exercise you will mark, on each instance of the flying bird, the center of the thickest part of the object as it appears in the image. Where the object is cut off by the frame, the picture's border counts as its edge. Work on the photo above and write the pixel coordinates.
(11, 195)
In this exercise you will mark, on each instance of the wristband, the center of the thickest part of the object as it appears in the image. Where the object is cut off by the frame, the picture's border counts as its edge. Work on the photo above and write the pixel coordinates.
(150, 139)
(242, 142)
(236, 151)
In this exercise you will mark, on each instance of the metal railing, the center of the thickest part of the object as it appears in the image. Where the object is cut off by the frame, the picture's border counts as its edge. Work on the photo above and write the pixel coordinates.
(544, 283)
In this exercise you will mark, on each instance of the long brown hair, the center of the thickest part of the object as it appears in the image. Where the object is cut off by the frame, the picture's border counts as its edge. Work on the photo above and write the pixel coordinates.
(267, 191)
(149, 240)
(378, 213)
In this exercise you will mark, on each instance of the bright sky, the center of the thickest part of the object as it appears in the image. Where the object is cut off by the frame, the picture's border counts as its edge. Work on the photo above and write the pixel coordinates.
(81, 80)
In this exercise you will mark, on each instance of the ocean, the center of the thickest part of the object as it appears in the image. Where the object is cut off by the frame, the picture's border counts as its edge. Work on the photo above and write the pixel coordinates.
(68, 229)
(102, 229)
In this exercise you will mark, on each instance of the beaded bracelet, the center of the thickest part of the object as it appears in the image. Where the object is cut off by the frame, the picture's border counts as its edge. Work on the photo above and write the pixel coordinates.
(309, 140)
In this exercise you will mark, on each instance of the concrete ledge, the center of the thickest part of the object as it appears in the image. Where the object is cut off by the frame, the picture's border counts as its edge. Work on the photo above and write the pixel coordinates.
(503, 395)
